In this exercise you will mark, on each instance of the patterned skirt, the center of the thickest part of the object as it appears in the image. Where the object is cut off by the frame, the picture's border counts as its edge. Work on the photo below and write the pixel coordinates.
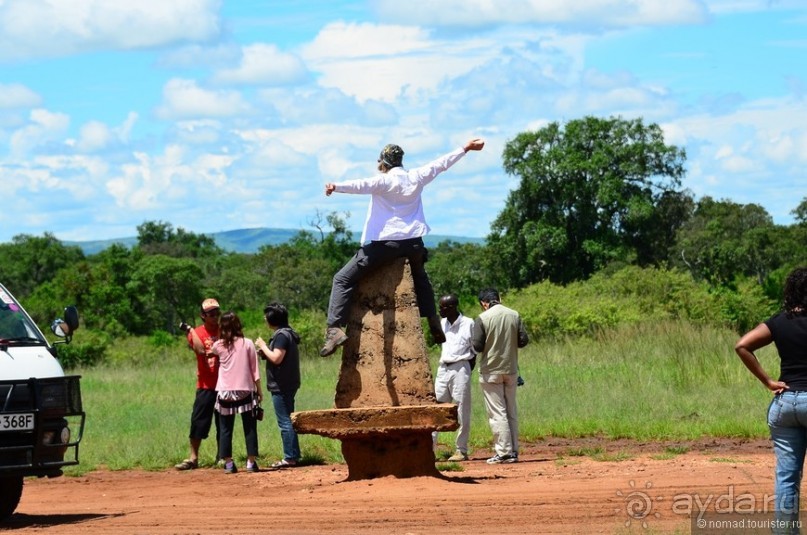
(235, 401)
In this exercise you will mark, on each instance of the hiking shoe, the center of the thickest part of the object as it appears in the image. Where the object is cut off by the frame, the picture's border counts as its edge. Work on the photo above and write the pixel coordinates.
(458, 457)
(230, 468)
(503, 459)
(284, 463)
(334, 337)
(436, 328)
(187, 464)
(252, 467)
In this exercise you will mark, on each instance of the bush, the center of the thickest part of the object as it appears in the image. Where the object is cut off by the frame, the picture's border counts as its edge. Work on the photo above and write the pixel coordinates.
(87, 351)
(161, 338)
(634, 295)
(745, 308)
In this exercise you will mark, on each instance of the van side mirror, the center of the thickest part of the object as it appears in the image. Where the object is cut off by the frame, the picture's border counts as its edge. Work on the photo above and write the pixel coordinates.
(71, 317)
(63, 328)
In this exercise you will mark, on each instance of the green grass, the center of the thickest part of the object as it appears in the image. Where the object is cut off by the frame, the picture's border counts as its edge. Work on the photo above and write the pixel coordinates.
(670, 452)
(668, 381)
(612, 457)
(450, 467)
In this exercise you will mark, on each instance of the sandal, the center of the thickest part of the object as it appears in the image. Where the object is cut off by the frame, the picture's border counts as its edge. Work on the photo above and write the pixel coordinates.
(283, 463)
(187, 464)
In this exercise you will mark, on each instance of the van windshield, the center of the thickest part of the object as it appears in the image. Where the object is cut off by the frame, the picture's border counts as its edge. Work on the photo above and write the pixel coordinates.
(15, 325)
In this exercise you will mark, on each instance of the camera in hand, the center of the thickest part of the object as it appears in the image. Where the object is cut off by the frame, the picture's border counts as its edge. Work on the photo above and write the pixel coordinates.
(184, 327)
(257, 413)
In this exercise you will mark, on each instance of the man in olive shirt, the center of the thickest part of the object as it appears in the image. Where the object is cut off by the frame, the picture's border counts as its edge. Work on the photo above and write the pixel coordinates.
(497, 336)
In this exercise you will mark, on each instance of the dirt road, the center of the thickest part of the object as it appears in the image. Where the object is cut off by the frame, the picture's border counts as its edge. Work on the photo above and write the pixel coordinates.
(551, 490)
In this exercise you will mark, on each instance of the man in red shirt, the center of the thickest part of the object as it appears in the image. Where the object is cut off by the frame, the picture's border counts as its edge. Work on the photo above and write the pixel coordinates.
(201, 339)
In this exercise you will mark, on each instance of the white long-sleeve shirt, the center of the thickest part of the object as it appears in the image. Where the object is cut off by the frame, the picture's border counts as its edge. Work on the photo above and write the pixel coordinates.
(396, 208)
(459, 344)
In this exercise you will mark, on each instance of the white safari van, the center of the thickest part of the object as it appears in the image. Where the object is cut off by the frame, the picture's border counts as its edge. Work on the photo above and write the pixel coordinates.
(41, 416)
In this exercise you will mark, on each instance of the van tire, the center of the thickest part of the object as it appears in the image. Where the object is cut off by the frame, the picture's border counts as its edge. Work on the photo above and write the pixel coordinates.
(10, 492)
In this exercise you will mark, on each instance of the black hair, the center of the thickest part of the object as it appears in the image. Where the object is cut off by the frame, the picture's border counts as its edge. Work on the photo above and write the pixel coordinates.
(795, 294)
(276, 315)
(451, 299)
(230, 328)
(489, 295)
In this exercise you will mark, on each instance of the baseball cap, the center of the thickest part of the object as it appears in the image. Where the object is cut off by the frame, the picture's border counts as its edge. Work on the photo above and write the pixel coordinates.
(391, 155)
(209, 304)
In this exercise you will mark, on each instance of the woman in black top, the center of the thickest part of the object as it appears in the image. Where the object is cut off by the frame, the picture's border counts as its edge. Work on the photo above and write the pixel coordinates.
(787, 414)
(282, 377)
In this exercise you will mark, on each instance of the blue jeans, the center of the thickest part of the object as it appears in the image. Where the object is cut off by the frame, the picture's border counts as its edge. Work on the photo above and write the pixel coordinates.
(284, 406)
(787, 418)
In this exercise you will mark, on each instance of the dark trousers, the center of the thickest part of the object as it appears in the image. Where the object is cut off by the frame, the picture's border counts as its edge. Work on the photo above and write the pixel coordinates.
(250, 434)
(204, 414)
(370, 257)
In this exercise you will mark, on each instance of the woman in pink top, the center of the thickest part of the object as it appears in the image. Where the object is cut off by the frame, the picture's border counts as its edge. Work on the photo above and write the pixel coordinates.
(238, 388)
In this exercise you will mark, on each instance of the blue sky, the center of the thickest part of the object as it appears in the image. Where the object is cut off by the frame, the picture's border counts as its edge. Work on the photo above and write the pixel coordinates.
(218, 115)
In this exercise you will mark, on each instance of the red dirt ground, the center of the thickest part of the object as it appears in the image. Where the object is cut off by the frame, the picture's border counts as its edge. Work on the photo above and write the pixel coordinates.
(551, 490)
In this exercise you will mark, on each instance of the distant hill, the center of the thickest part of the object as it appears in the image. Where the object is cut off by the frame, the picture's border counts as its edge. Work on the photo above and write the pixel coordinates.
(250, 240)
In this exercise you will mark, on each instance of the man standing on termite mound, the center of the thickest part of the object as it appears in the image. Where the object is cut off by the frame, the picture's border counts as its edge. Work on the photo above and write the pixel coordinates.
(394, 228)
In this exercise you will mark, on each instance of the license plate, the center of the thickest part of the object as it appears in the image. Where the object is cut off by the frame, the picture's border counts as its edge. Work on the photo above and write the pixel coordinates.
(23, 421)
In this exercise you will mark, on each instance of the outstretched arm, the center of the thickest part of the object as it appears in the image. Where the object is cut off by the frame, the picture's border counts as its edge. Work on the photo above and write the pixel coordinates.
(474, 144)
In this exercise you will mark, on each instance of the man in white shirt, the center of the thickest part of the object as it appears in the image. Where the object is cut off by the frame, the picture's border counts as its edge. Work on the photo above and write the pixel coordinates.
(457, 358)
(394, 228)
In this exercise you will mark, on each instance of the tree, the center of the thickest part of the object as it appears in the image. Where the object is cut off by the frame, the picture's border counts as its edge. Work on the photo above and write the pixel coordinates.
(297, 273)
(590, 193)
(800, 212)
(461, 269)
(168, 290)
(159, 237)
(723, 240)
(29, 261)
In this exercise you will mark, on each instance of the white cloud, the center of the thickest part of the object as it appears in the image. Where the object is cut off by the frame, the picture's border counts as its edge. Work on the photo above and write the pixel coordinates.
(18, 96)
(387, 62)
(35, 28)
(748, 155)
(599, 13)
(43, 126)
(200, 55)
(48, 180)
(735, 163)
(263, 64)
(351, 40)
(198, 132)
(184, 99)
(780, 147)
(747, 6)
(94, 135)
(125, 129)
(166, 181)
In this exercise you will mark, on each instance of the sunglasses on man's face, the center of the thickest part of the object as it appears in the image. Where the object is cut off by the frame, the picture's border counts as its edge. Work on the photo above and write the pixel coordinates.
(213, 313)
